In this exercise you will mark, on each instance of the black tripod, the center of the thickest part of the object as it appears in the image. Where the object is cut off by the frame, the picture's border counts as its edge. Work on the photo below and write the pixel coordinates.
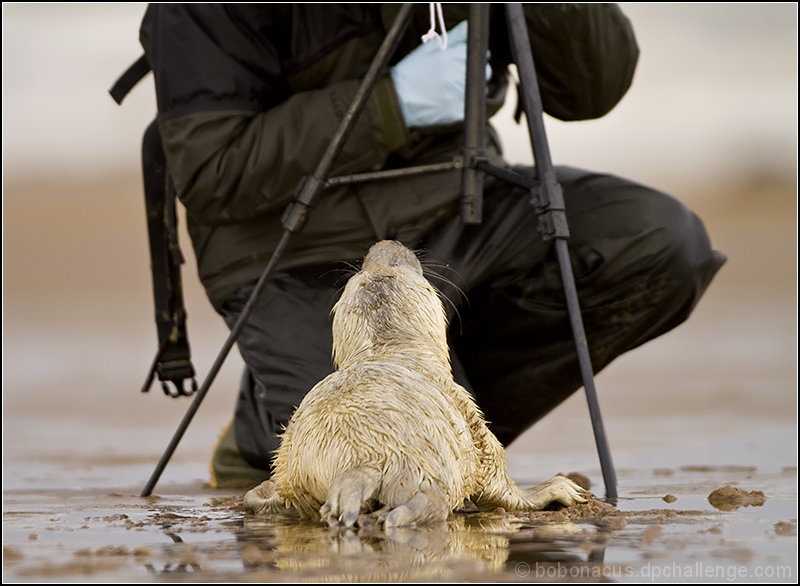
(546, 195)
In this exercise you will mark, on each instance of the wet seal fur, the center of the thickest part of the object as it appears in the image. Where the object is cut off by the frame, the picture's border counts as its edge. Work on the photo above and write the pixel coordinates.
(390, 437)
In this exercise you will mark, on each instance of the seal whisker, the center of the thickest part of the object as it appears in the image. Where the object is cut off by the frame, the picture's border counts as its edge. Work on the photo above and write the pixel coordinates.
(436, 269)
(345, 272)
(432, 276)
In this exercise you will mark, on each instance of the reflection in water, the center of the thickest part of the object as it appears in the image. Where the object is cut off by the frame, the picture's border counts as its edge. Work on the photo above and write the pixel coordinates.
(467, 545)
(217, 541)
(184, 566)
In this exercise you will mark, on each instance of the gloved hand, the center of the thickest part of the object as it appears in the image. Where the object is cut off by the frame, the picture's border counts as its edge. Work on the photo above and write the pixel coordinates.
(431, 83)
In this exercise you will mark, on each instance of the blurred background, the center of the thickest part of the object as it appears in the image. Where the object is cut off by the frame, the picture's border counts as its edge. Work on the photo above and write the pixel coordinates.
(711, 118)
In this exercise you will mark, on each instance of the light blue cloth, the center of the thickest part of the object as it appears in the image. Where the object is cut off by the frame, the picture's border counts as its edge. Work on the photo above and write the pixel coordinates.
(430, 83)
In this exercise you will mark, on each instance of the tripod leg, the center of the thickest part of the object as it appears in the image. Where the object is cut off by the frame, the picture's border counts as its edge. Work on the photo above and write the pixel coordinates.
(475, 114)
(606, 465)
(553, 221)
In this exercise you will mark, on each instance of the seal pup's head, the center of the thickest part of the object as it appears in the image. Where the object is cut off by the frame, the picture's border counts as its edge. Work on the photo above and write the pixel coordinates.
(389, 307)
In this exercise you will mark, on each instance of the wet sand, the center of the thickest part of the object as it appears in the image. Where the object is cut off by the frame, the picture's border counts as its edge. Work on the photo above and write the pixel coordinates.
(189, 533)
(711, 405)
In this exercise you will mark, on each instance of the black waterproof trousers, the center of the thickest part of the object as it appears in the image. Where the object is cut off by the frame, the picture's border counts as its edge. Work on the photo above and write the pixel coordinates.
(641, 262)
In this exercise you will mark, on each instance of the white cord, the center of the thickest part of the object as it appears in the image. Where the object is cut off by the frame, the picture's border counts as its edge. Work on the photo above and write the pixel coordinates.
(436, 10)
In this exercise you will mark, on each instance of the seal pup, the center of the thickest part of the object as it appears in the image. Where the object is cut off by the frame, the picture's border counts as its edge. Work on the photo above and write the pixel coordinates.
(389, 437)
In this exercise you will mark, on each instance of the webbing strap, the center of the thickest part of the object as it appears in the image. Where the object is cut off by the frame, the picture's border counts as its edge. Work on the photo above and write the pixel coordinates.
(130, 78)
(173, 359)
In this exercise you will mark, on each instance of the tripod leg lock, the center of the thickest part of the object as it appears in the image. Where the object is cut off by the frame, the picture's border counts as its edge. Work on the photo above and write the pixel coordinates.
(297, 212)
(295, 216)
(548, 202)
(553, 224)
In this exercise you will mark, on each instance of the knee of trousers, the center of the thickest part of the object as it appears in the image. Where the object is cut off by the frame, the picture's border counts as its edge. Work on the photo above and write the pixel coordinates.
(668, 252)
(683, 251)
(625, 230)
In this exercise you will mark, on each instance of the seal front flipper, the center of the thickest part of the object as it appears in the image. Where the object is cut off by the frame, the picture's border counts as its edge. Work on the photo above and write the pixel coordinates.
(558, 489)
(264, 499)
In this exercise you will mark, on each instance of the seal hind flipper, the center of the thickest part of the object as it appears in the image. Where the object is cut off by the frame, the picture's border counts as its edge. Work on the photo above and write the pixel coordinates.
(426, 506)
(349, 493)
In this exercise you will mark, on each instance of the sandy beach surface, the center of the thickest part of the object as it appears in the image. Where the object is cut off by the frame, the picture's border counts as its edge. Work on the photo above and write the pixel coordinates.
(708, 406)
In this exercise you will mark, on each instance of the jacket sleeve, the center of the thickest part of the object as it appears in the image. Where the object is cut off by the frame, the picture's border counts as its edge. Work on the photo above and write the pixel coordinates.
(585, 56)
(237, 140)
(231, 166)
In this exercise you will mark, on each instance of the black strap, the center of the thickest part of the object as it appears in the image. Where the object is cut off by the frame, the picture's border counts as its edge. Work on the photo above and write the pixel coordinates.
(130, 78)
(173, 359)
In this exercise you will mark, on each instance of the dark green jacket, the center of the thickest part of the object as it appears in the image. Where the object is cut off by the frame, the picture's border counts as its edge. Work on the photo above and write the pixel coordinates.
(249, 96)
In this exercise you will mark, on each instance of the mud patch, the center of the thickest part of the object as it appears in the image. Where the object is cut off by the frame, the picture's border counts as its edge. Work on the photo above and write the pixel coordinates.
(787, 528)
(594, 511)
(730, 498)
(652, 533)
